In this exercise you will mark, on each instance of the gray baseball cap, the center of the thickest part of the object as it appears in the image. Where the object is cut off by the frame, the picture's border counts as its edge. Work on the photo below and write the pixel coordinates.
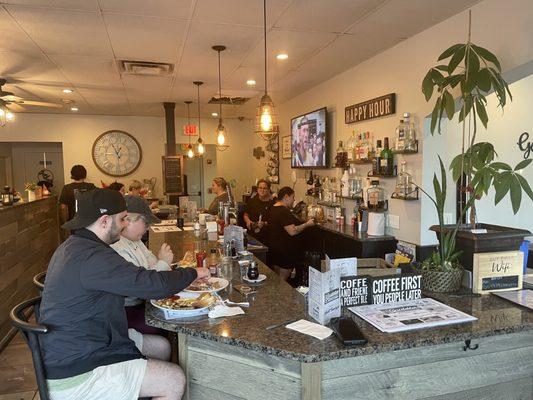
(138, 205)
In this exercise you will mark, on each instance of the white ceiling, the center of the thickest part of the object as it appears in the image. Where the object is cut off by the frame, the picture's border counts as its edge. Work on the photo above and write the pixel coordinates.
(48, 45)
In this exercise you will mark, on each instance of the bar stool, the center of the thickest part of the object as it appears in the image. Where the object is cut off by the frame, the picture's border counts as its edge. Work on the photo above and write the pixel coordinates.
(38, 281)
(30, 334)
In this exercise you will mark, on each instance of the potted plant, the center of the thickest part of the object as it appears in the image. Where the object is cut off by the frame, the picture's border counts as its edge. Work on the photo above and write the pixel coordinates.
(442, 270)
(30, 188)
(473, 72)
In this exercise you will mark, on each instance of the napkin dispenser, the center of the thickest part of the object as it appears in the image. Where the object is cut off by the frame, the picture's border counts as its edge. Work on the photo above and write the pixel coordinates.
(376, 224)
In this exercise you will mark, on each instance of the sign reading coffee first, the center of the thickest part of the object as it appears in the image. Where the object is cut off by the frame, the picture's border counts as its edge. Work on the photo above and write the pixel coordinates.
(370, 109)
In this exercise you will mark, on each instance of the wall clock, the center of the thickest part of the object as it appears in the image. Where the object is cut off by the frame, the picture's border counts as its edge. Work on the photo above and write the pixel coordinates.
(116, 153)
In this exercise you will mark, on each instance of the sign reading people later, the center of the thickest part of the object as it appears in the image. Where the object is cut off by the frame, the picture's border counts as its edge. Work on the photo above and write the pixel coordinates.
(370, 109)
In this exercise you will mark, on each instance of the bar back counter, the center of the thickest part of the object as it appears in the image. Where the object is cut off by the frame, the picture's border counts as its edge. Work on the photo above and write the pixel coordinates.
(238, 358)
(29, 234)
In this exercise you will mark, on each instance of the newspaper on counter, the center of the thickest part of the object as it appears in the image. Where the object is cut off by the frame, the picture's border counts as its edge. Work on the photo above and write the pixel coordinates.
(410, 315)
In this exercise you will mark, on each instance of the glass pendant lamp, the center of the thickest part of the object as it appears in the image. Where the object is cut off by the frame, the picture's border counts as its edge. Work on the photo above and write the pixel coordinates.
(190, 151)
(221, 130)
(200, 149)
(266, 124)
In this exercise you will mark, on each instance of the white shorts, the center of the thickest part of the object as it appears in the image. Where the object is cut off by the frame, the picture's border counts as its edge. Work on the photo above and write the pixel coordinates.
(109, 382)
(121, 381)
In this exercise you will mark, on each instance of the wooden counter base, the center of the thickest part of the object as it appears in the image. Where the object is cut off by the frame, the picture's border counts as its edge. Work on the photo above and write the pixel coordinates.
(500, 368)
(28, 238)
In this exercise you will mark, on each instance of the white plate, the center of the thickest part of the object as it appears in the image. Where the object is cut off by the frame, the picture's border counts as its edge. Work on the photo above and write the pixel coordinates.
(223, 284)
(261, 278)
(171, 313)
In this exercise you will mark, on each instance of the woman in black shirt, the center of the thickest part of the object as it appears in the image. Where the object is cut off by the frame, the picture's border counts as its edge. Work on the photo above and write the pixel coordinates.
(256, 211)
(284, 250)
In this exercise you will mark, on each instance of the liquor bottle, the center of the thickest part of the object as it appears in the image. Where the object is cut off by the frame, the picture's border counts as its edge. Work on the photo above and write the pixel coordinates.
(376, 196)
(350, 146)
(400, 136)
(376, 163)
(410, 134)
(341, 159)
(404, 183)
(386, 159)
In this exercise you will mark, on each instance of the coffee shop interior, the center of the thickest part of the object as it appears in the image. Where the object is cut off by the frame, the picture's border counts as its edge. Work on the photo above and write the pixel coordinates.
(388, 140)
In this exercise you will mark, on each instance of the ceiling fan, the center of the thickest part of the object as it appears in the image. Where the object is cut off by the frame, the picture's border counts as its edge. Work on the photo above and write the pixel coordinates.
(16, 103)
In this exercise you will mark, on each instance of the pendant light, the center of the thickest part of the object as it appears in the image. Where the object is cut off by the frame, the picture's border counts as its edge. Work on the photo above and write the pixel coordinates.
(221, 130)
(190, 151)
(200, 149)
(266, 125)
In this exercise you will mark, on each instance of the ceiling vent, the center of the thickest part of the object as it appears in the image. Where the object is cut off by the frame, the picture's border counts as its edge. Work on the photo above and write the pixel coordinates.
(146, 68)
(229, 100)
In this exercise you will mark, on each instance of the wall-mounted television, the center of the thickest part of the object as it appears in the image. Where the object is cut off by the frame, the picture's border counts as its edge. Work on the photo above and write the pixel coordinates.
(309, 140)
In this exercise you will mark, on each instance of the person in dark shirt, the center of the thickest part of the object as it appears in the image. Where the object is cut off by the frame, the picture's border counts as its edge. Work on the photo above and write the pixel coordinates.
(88, 351)
(69, 193)
(284, 250)
(256, 210)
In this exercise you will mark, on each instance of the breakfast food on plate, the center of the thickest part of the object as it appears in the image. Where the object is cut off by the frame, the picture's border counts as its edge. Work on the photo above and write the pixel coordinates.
(203, 286)
(181, 303)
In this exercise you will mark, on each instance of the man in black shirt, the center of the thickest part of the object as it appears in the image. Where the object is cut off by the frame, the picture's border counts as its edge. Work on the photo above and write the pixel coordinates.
(255, 213)
(68, 196)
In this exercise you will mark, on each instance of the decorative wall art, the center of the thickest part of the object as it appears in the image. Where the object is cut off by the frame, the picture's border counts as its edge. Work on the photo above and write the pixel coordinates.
(272, 155)
(286, 147)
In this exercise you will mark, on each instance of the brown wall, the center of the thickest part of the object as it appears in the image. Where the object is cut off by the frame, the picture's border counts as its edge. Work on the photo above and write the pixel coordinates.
(29, 234)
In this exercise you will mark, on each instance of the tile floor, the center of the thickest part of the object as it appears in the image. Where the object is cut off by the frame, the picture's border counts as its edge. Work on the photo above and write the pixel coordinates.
(17, 379)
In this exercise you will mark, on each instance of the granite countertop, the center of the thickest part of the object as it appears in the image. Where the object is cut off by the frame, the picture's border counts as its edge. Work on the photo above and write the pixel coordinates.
(276, 302)
(348, 231)
(23, 203)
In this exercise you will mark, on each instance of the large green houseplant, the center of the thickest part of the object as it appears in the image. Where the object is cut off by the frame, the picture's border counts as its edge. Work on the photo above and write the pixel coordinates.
(469, 73)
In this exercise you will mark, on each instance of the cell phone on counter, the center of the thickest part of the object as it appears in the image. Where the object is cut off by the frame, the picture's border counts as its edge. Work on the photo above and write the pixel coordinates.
(347, 331)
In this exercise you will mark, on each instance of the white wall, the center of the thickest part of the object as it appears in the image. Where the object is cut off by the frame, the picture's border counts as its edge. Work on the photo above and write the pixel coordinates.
(503, 132)
(78, 132)
(504, 28)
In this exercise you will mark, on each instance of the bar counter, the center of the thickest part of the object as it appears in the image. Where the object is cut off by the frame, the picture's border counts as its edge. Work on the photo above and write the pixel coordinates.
(29, 234)
(236, 357)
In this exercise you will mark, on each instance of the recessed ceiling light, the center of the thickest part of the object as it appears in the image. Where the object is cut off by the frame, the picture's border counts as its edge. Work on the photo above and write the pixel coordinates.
(74, 109)
(214, 114)
(67, 91)
(250, 82)
(282, 56)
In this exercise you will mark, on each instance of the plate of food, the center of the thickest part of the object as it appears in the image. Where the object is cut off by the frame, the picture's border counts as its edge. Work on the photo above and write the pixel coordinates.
(212, 285)
(185, 304)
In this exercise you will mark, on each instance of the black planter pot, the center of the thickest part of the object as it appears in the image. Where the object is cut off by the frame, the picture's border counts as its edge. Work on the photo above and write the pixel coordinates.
(497, 238)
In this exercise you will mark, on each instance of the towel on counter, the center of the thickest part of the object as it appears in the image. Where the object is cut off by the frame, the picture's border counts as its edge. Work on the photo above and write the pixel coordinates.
(310, 328)
(221, 310)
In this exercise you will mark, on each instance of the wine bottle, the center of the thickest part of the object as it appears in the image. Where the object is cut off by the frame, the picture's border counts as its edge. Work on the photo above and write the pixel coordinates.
(386, 159)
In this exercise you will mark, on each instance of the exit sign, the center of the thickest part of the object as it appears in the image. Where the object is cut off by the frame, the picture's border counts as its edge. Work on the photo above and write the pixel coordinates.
(189, 130)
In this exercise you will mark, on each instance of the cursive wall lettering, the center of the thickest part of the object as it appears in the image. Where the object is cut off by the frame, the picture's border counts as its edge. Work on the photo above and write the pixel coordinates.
(524, 145)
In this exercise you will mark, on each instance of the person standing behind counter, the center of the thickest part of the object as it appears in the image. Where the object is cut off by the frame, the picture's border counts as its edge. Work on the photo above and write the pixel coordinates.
(257, 208)
(284, 250)
(219, 187)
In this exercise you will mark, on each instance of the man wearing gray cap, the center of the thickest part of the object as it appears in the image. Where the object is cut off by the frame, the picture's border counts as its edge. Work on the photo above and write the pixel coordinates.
(87, 352)
(133, 249)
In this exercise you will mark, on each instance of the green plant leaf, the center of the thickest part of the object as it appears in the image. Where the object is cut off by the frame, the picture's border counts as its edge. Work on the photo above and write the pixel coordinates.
(441, 111)
(483, 79)
(449, 104)
(443, 179)
(473, 64)
(455, 167)
(525, 186)
(482, 113)
(523, 164)
(516, 194)
(457, 57)
(442, 67)
(507, 89)
(435, 115)
(487, 180)
(449, 51)
(487, 56)
(501, 186)
(427, 86)
(499, 165)
(465, 110)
